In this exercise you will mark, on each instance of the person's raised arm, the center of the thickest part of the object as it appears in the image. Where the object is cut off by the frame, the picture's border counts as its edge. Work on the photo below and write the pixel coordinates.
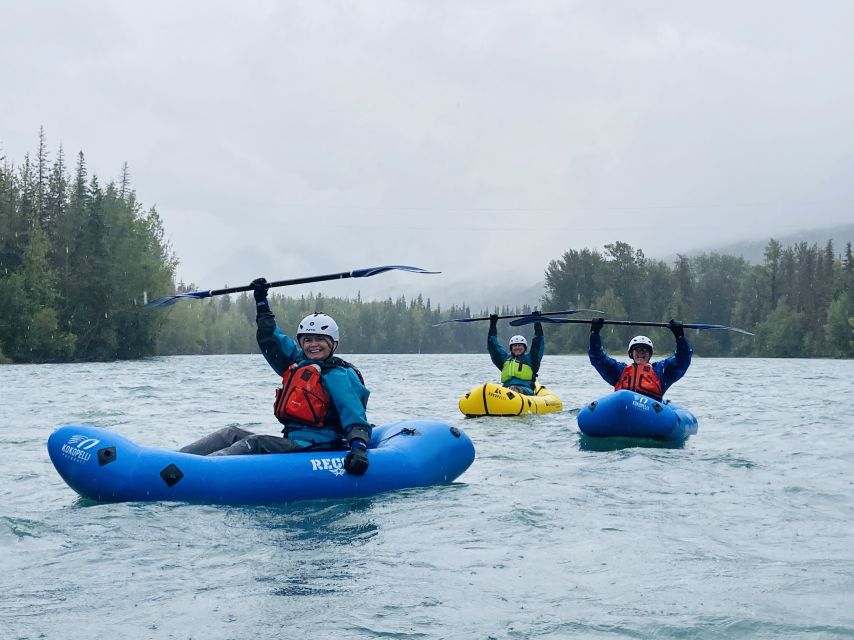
(278, 349)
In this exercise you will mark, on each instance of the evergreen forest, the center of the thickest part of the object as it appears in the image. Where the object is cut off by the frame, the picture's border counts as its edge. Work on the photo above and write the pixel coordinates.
(79, 259)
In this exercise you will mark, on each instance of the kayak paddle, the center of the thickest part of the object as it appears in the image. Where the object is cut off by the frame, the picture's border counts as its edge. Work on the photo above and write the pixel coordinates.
(524, 315)
(165, 301)
(529, 319)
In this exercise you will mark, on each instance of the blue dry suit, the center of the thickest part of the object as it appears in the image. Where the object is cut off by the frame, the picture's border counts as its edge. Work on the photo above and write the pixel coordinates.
(346, 418)
(668, 370)
(502, 358)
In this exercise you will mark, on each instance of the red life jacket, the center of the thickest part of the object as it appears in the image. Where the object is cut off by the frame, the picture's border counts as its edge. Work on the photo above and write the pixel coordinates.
(640, 378)
(302, 398)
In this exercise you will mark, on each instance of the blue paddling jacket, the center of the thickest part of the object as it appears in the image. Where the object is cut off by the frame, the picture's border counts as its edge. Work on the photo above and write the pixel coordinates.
(668, 370)
(532, 357)
(347, 417)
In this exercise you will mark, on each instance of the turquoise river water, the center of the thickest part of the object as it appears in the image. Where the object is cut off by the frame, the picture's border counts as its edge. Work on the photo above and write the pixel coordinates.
(747, 531)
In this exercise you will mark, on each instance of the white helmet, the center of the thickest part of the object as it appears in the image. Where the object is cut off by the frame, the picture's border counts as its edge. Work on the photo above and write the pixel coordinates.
(640, 340)
(318, 324)
(519, 340)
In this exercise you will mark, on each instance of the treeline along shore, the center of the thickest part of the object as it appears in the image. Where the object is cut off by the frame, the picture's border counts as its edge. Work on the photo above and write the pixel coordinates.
(78, 260)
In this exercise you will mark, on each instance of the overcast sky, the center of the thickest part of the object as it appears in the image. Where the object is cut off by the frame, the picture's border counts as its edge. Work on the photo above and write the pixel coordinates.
(480, 138)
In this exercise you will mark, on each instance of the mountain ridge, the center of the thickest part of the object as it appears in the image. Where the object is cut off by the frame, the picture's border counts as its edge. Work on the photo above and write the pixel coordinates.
(754, 250)
(490, 292)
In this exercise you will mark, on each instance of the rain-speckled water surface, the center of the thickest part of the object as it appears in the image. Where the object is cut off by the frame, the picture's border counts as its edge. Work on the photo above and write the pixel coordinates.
(745, 531)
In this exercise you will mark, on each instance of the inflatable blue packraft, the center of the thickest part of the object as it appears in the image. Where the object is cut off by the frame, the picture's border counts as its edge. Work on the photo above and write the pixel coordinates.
(628, 414)
(105, 466)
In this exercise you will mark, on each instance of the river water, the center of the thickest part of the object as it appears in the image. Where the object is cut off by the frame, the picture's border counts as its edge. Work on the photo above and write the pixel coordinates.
(746, 531)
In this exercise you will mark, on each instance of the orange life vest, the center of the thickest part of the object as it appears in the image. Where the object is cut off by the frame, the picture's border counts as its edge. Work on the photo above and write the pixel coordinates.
(640, 378)
(302, 398)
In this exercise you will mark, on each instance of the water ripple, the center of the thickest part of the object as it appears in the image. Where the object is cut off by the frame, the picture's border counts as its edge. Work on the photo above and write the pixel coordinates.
(742, 532)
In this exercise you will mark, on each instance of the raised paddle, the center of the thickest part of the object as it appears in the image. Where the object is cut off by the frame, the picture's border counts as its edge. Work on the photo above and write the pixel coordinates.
(523, 315)
(529, 319)
(165, 301)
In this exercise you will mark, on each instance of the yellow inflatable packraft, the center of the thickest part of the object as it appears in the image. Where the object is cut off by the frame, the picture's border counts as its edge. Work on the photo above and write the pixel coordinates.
(492, 399)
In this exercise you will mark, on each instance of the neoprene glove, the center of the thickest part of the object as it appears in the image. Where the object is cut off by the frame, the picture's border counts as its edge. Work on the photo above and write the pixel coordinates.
(259, 289)
(493, 323)
(538, 327)
(596, 325)
(677, 329)
(356, 460)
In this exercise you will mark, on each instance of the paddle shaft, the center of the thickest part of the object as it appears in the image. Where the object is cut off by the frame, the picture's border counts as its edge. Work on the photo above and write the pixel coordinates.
(286, 283)
(641, 323)
(528, 319)
(519, 315)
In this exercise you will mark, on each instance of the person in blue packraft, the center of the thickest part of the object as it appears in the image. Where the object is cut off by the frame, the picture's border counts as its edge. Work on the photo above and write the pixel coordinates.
(518, 367)
(651, 380)
(321, 402)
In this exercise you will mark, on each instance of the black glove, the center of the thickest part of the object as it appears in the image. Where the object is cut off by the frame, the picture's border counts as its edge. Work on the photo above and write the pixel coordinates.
(677, 329)
(493, 324)
(259, 289)
(356, 460)
(596, 325)
(535, 313)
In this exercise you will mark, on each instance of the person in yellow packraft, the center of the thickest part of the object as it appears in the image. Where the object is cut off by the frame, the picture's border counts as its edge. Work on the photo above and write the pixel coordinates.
(518, 366)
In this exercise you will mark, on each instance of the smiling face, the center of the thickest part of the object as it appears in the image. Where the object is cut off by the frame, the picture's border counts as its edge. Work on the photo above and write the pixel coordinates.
(517, 349)
(316, 347)
(640, 355)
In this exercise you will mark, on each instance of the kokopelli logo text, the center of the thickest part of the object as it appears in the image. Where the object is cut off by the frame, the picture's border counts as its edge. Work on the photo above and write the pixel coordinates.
(78, 448)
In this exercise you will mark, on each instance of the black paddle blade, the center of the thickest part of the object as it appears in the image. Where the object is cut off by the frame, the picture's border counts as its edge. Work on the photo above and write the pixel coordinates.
(716, 326)
(372, 271)
(168, 301)
(460, 320)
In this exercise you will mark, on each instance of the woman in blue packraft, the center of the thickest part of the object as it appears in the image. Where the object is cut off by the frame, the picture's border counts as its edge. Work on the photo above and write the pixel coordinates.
(518, 367)
(640, 376)
(321, 402)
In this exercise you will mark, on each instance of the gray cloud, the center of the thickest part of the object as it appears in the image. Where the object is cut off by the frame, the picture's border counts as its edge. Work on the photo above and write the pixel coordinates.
(479, 138)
